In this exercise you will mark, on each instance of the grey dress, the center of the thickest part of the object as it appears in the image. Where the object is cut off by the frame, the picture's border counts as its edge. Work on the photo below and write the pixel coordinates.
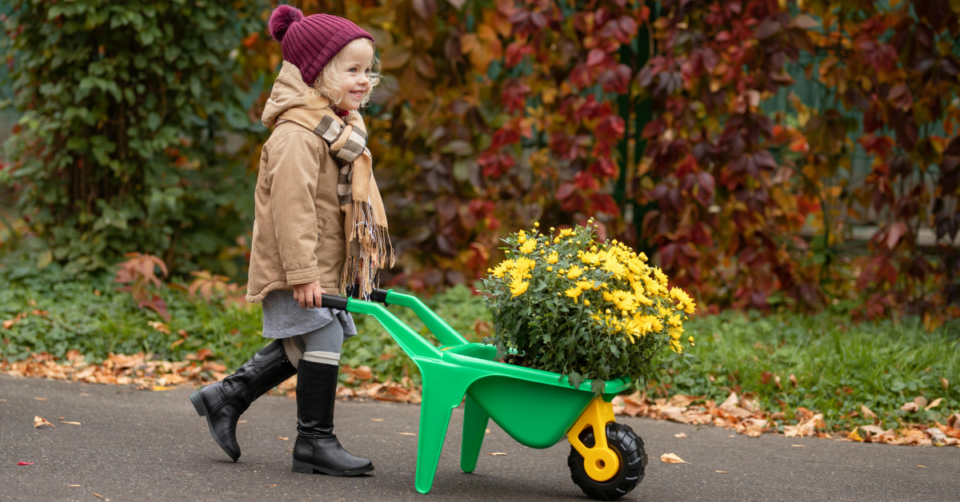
(283, 317)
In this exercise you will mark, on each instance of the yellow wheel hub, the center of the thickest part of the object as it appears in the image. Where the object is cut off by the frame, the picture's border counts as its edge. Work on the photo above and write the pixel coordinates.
(601, 463)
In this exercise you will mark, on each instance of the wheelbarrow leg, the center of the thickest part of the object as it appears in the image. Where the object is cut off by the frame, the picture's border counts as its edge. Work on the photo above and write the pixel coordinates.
(442, 392)
(474, 428)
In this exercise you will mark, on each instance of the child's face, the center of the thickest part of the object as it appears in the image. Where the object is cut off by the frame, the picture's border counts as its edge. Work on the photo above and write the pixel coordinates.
(354, 73)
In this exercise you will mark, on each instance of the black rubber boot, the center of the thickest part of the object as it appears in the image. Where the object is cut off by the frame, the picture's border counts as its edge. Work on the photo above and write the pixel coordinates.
(223, 402)
(317, 448)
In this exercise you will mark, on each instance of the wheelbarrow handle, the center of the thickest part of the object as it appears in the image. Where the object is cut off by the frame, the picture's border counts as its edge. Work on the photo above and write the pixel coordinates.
(334, 301)
(377, 295)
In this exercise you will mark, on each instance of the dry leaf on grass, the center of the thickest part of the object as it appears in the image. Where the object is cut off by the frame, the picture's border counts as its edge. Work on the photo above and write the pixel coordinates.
(855, 436)
(936, 402)
(867, 412)
(670, 458)
(496, 454)
(39, 421)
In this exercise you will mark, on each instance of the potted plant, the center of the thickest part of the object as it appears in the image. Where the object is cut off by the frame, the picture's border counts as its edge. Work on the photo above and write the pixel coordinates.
(566, 303)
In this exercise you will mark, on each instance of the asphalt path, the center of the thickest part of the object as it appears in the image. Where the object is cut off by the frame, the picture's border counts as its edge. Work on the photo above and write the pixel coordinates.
(134, 445)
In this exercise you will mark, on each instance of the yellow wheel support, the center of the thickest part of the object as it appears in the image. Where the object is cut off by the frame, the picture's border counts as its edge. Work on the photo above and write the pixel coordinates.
(600, 462)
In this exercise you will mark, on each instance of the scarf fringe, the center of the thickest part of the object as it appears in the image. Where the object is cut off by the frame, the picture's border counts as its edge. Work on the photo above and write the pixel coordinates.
(376, 251)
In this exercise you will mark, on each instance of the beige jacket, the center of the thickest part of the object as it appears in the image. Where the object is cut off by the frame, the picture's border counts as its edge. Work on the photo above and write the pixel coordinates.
(298, 234)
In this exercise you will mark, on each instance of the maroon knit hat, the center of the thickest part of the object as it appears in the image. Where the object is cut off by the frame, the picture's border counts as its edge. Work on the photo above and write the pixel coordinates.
(311, 42)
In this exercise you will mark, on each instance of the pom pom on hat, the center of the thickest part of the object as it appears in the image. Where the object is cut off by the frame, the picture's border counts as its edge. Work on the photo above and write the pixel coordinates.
(281, 19)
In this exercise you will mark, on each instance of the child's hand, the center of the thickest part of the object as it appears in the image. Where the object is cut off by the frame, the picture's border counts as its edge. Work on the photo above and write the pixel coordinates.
(308, 295)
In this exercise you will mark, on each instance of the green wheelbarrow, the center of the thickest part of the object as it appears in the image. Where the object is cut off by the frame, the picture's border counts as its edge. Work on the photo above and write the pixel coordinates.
(536, 408)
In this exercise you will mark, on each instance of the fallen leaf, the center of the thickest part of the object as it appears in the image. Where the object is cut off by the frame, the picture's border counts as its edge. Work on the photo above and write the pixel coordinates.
(681, 400)
(934, 404)
(41, 399)
(68, 422)
(937, 436)
(867, 412)
(377, 419)
(804, 428)
(921, 401)
(39, 421)
(721, 472)
(407, 434)
(910, 407)
(945, 383)
(681, 435)
(496, 454)
(799, 445)
(670, 458)
(24, 463)
(731, 400)
(158, 388)
(283, 438)
(752, 427)
(855, 436)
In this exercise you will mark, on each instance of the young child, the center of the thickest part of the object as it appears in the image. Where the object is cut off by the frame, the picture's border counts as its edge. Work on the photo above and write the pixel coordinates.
(320, 226)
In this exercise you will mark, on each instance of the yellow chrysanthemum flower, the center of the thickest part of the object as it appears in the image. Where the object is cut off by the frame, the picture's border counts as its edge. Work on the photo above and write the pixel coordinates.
(683, 298)
(585, 285)
(590, 259)
(528, 246)
(574, 272)
(553, 258)
(661, 277)
(573, 292)
(518, 286)
(614, 267)
(566, 232)
(675, 321)
(500, 270)
(623, 300)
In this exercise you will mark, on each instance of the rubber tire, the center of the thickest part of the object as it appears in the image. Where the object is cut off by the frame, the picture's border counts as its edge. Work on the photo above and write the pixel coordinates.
(633, 461)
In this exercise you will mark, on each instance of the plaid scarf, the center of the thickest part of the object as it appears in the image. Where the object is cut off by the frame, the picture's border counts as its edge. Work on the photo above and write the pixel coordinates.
(365, 221)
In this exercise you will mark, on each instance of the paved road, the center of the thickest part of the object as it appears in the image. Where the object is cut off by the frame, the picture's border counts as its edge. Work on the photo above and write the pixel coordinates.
(134, 445)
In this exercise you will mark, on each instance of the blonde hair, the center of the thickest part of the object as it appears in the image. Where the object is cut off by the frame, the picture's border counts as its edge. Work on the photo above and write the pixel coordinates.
(322, 92)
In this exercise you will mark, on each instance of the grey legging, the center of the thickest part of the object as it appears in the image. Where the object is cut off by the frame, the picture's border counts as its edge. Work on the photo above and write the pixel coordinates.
(320, 345)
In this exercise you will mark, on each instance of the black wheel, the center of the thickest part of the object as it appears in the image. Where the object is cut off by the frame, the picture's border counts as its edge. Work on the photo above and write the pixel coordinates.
(633, 461)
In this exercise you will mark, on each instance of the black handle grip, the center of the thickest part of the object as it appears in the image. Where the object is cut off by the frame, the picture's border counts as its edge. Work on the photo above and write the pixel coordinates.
(334, 302)
(377, 295)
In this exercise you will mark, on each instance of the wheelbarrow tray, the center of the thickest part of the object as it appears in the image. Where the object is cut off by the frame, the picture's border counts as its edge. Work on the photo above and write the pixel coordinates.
(534, 407)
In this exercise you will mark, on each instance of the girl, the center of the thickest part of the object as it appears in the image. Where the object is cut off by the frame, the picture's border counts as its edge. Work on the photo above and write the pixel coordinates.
(320, 226)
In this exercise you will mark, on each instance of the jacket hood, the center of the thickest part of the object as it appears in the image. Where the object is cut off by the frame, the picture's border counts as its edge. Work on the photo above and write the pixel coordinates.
(288, 91)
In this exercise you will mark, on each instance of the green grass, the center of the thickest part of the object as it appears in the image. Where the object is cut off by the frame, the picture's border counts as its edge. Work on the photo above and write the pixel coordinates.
(838, 365)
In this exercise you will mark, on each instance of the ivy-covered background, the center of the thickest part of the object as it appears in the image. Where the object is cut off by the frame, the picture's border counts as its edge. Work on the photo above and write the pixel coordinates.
(769, 154)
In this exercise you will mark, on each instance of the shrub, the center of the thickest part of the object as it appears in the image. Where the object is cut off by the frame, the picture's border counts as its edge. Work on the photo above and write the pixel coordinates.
(120, 147)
